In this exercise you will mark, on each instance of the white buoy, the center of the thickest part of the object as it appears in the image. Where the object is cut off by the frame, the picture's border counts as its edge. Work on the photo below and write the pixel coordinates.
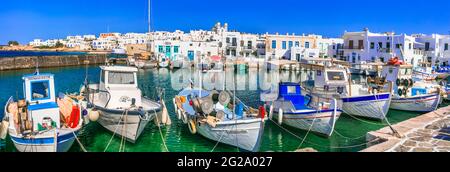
(280, 116)
(93, 115)
(179, 114)
(165, 119)
(175, 105)
(271, 112)
(184, 118)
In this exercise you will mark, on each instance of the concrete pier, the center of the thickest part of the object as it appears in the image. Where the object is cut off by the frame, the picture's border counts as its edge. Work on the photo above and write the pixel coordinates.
(416, 135)
(28, 62)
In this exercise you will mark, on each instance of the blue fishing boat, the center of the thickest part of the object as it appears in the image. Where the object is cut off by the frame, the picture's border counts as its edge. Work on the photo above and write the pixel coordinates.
(307, 112)
(42, 122)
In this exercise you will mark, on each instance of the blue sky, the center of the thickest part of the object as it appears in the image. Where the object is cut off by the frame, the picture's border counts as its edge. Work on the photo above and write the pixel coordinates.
(24, 20)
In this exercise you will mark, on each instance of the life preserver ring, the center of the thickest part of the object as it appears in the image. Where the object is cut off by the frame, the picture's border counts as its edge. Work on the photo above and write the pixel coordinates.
(411, 82)
(405, 91)
(406, 83)
(280, 116)
(74, 118)
(400, 92)
(192, 125)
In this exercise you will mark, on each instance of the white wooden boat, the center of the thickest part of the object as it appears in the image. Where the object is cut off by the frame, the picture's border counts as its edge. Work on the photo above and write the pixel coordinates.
(122, 108)
(409, 95)
(304, 112)
(42, 122)
(358, 99)
(242, 128)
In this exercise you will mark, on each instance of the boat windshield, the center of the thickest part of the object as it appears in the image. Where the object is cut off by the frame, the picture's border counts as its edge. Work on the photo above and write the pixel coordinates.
(336, 76)
(121, 78)
(405, 71)
(40, 90)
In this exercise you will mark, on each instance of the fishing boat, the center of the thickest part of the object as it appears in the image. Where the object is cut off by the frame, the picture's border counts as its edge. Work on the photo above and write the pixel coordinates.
(122, 108)
(309, 113)
(145, 64)
(42, 122)
(220, 116)
(443, 71)
(177, 62)
(410, 95)
(369, 100)
(163, 61)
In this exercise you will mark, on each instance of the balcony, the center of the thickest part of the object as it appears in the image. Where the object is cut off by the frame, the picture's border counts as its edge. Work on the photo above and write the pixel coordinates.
(353, 47)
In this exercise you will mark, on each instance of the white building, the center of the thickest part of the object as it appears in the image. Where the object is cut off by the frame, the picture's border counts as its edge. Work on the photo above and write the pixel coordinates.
(436, 48)
(360, 47)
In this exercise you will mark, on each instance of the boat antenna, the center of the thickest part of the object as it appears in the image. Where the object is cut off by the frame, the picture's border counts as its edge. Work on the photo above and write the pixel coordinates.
(37, 66)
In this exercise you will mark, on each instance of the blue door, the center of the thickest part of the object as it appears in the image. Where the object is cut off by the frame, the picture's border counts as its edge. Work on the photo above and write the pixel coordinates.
(191, 55)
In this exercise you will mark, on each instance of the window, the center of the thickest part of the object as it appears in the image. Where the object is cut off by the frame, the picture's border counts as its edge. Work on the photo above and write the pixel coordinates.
(336, 76)
(334, 47)
(398, 46)
(283, 45)
(373, 59)
(234, 42)
(40, 90)
(291, 44)
(249, 44)
(121, 78)
(446, 47)
(297, 44)
(175, 49)
(233, 52)
(350, 44)
(306, 44)
(427, 46)
(388, 45)
(292, 90)
(160, 49)
(274, 44)
(228, 40)
(410, 46)
(372, 45)
(380, 45)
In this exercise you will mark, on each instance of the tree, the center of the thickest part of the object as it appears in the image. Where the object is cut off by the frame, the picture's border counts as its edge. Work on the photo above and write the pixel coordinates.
(10, 43)
(59, 44)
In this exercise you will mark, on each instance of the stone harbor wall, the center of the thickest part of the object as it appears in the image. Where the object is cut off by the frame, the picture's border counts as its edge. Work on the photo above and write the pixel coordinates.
(427, 139)
(426, 133)
(14, 63)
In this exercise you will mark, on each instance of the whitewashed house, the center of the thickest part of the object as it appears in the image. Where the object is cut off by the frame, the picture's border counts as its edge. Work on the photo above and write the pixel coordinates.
(364, 47)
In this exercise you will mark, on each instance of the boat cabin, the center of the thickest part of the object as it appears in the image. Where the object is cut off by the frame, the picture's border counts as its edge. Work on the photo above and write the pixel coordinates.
(292, 92)
(392, 73)
(120, 86)
(39, 91)
(331, 77)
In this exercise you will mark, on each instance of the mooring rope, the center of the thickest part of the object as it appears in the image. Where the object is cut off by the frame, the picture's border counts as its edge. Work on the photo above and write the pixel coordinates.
(160, 131)
(115, 131)
(79, 142)
(330, 147)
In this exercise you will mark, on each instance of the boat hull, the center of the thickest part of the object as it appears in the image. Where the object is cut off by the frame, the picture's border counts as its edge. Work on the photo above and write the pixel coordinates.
(44, 144)
(245, 134)
(371, 106)
(129, 126)
(321, 122)
(422, 103)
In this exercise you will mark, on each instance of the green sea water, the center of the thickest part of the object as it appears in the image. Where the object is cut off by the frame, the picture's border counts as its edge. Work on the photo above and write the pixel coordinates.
(349, 135)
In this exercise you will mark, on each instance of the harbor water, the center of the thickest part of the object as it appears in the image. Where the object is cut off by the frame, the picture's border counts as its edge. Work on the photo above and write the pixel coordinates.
(4, 54)
(349, 135)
